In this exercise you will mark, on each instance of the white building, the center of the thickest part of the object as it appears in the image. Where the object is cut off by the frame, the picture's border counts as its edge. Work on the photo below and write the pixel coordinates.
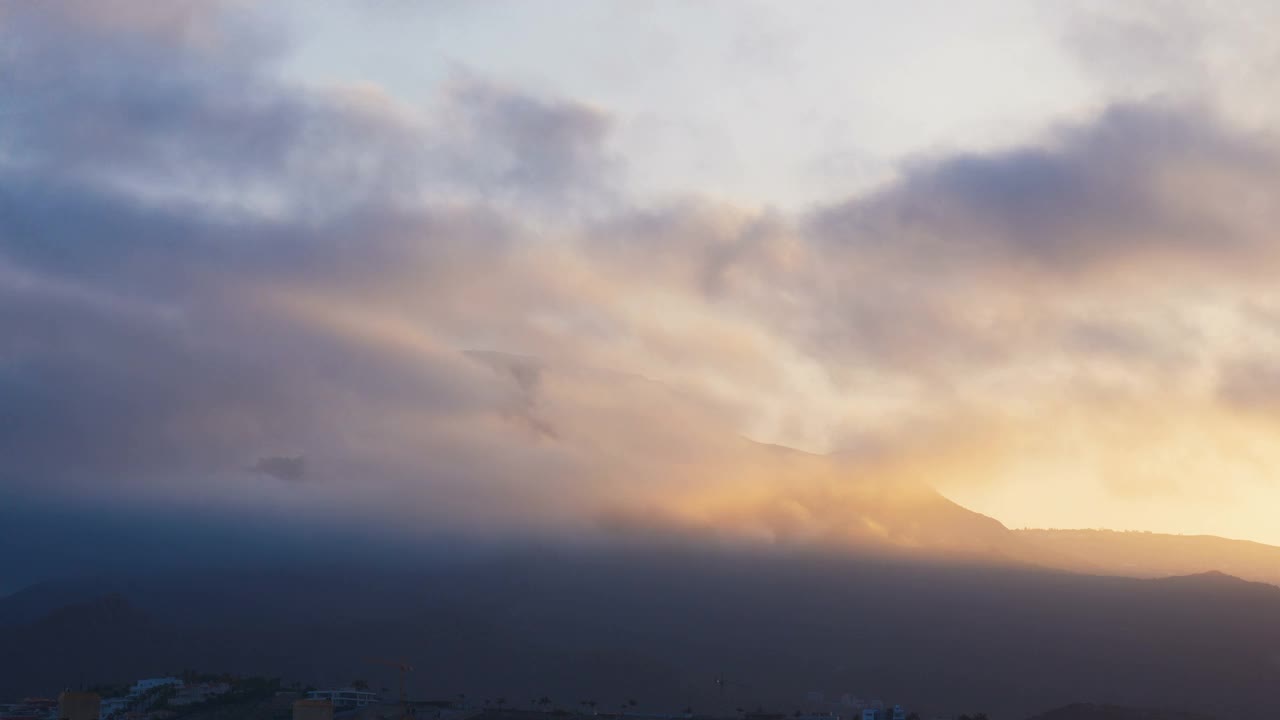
(344, 697)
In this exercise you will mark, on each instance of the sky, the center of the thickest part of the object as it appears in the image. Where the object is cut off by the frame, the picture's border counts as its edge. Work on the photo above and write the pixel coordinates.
(500, 267)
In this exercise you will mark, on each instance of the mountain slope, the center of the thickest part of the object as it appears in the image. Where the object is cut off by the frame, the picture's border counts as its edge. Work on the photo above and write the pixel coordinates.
(1142, 554)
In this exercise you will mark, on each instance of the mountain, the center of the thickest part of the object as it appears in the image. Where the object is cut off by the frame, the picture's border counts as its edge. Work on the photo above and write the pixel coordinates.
(653, 458)
(661, 622)
(64, 648)
(609, 455)
(1143, 554)
(34, 602)
(106, 614)
(698, 477)
(1082, 711)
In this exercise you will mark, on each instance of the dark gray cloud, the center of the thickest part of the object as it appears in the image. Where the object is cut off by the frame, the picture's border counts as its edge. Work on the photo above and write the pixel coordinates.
(1142, 179)
(509, 143)
(981, 259)
(282, 467)
(127, 101)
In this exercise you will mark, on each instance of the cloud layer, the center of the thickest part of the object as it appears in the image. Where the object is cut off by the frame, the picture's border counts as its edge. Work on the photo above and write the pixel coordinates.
(208, 275)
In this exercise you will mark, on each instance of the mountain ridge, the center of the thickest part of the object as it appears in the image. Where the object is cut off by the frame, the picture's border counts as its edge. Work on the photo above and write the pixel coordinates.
(1145, 554)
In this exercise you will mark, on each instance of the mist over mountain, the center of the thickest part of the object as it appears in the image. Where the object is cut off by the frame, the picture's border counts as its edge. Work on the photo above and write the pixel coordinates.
(699, 554)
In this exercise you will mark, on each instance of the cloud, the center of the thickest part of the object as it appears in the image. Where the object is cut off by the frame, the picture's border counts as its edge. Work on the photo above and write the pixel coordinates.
(510, 143)
(280, 467)
(201, 263)
(1252, 385)
(218, 131)
(1217, 55)
(1139, 181)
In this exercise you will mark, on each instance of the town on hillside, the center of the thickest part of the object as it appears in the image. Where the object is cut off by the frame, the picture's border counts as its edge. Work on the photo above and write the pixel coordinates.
(225, 697)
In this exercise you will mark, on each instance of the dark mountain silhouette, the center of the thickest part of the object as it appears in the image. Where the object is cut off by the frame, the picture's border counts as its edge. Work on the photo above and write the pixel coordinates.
(66, 647)
(106, 614)
(1083, 711)
(32, 603)
(660, 622)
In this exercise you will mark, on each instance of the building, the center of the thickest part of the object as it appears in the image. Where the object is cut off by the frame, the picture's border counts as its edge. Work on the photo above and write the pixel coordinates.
(895, 713)
(312, 710)
(143, 687)
(345, 697)
(79, 706)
